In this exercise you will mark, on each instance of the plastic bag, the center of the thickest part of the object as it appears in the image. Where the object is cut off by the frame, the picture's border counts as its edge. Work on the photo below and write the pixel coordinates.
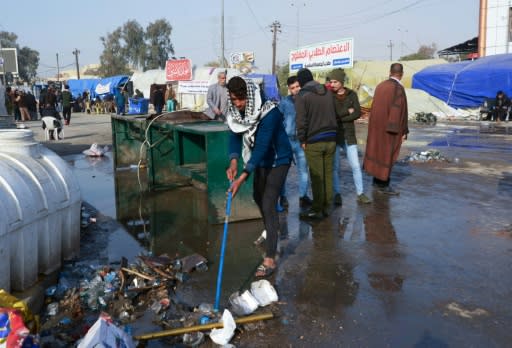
(263, 292)
(224, 335)
(104, 333)
(243, 304)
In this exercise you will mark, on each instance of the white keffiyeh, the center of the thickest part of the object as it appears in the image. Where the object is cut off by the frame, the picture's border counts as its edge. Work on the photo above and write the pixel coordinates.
(248, 124)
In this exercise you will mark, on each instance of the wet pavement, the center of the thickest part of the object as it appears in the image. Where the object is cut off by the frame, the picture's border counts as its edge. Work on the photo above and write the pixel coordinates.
(429, 268)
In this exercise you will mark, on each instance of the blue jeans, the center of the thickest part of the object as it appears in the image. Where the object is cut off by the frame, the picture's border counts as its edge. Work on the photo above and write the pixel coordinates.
(302, 169)
(353, 160)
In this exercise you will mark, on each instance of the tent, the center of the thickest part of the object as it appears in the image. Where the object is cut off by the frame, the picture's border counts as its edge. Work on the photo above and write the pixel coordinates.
(467, 84)
(108, 85)
(78, 87)
(143, 80)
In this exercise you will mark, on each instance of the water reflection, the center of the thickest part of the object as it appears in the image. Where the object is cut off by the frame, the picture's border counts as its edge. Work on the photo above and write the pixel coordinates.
(175, 222)
(380, 231)
(328, 284)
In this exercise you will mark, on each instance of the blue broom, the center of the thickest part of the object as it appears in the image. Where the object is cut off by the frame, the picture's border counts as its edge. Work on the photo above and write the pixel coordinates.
(222, 250)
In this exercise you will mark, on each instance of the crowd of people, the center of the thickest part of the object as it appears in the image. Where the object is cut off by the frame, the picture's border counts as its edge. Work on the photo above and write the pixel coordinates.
(311, 126)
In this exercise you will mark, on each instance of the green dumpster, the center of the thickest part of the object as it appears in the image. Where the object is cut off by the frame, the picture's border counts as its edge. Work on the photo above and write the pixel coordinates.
(183, 153)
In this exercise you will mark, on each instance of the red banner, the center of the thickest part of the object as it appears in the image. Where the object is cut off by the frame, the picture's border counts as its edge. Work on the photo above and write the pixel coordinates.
(178, 70)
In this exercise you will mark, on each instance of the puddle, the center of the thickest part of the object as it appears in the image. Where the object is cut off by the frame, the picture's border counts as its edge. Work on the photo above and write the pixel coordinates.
(360, 275)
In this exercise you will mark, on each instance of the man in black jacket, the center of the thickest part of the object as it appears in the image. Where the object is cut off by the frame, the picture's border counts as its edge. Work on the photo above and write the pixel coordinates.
(316, 131)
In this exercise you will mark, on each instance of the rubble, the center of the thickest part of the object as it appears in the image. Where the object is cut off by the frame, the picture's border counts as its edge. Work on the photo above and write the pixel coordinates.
(425, 156)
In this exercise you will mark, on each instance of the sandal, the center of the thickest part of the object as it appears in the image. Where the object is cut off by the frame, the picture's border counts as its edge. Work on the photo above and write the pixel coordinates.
(264, 271)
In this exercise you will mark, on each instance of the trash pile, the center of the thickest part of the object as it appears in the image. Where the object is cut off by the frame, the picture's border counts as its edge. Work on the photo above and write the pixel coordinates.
(125, 293)
(426, 117)
(122, 294)
(425, 156)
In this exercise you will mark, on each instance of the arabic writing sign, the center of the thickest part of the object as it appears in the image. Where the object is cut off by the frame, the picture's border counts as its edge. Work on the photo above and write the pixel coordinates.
(178, 70)
(327, 55)
(193, 87)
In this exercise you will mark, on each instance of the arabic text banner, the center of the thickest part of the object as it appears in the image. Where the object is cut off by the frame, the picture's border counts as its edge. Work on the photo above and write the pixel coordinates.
(323, 56)
(193, 87)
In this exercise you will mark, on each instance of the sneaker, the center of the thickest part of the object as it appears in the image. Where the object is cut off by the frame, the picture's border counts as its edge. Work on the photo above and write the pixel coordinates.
(388, 190)
(283, 201)
(362, 198)
(305, 202)
(311, 214)
(337, 199)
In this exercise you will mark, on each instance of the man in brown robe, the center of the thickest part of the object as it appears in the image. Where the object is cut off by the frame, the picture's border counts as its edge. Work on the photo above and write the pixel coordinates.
(387, 129)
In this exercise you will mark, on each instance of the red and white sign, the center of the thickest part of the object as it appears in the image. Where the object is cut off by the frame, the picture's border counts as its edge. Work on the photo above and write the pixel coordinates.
(178, 70)
(323, 56)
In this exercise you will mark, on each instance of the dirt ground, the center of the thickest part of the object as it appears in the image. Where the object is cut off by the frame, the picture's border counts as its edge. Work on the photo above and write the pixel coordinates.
(428, 268)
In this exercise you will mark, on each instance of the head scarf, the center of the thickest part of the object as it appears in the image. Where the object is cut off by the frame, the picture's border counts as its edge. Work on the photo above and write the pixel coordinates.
(255, 110)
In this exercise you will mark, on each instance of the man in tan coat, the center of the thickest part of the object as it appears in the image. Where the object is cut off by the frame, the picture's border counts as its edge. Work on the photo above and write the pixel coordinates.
(387, 129)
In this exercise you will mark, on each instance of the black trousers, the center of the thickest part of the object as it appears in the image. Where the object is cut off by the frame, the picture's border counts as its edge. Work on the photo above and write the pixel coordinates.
(267, 187)
(66, 112)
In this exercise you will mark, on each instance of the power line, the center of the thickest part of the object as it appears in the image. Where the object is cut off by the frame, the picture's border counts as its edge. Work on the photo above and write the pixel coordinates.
(255, 19)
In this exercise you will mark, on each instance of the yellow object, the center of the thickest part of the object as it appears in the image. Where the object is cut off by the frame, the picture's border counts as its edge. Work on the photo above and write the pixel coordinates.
(184, 330)
(8, 301)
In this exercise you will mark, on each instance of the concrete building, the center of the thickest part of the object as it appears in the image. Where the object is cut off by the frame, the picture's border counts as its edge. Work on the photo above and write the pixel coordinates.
(495, 32)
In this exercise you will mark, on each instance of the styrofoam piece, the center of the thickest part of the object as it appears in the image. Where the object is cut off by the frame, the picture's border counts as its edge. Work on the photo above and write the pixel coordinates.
(243, 304)
(263, 292)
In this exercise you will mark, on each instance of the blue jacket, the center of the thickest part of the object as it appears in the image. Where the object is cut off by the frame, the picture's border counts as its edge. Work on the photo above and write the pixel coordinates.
(287, 107)
(271, 145)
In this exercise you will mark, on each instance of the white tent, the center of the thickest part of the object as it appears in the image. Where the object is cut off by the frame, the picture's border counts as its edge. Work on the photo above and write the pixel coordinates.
(143, 80)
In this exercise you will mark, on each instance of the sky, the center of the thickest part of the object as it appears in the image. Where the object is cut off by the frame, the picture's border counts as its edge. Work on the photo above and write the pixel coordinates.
(59, 27)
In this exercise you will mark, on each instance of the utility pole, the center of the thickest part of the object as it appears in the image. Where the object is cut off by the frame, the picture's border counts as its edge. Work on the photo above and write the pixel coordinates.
(223, 62)
(297, 6)
(76, 52)
(390, 50)
(275, 27)
(58, 69)
(4, 79)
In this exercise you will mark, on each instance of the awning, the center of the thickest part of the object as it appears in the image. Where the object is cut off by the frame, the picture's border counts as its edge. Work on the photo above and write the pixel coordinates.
(467, 47)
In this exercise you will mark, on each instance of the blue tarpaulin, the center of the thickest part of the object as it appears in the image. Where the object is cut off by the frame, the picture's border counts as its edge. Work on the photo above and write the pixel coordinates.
(78, 87)
(271, 89)
(467, 84)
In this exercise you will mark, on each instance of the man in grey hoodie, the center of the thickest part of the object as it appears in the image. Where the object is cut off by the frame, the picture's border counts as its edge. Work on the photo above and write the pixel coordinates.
(316, 131)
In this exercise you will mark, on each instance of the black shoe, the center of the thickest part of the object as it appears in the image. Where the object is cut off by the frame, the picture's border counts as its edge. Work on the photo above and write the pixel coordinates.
(305, 202)
(337, 199)
(283, 201)
(311, 214)
(388, 190)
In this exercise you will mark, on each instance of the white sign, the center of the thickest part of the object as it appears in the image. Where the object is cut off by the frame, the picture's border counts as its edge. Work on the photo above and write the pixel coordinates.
(102, 89)
(323, 56)
(193, 87)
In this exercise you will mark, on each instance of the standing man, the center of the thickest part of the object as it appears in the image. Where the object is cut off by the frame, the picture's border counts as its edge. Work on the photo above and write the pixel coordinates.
(120, 101)
(217, 98)
(158, 100)
(348, 110)
(257, 135)
(287, 107)
(316, 131)
(387, 129)
(66, 105)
